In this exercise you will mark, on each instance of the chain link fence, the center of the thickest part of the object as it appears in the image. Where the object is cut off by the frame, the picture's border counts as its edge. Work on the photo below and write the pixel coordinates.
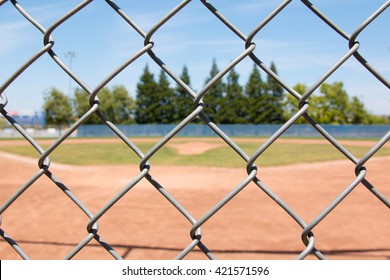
(145, 173)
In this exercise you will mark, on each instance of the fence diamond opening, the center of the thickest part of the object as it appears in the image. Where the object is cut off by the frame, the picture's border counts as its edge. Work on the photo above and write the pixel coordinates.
(308, 237)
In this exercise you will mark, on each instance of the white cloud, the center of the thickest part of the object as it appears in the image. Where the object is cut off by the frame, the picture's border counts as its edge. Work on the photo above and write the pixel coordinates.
(17, 34)
(13, 35)
(49, 13)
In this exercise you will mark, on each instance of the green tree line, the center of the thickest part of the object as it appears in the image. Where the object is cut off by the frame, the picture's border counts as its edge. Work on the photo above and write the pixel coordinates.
(259, 101)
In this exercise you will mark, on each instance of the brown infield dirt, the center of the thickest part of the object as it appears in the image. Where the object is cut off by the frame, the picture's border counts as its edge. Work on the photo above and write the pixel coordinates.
(144, 225)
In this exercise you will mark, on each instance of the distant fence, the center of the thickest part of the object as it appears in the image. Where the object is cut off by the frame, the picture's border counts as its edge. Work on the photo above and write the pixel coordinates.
(33, 132)
(245, 130)
(201, 130)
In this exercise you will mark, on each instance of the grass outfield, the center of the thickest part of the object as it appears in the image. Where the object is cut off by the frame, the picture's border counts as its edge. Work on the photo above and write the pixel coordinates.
(119, 153)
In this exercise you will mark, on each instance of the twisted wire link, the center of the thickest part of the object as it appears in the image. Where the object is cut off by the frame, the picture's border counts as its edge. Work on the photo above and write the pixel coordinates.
(145, 168)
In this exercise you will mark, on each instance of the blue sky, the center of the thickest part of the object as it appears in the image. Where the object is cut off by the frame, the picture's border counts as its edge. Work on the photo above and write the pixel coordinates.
(302, 46)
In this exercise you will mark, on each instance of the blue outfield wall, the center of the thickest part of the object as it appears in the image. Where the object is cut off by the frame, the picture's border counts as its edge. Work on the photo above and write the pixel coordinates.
(245, 130)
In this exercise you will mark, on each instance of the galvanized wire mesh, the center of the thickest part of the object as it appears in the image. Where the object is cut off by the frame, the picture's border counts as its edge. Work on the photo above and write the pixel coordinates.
(308, 227)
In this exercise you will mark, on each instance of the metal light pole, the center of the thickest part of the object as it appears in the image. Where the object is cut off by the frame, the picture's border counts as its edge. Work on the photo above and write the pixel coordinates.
(70, 55)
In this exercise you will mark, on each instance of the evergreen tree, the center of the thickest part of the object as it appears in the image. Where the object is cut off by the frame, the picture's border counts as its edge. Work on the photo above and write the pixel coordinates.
(146, 99)
(276, 93)
(183, 101)
(214, 96)
(165, 94)
(258, 103)
(233, 108)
